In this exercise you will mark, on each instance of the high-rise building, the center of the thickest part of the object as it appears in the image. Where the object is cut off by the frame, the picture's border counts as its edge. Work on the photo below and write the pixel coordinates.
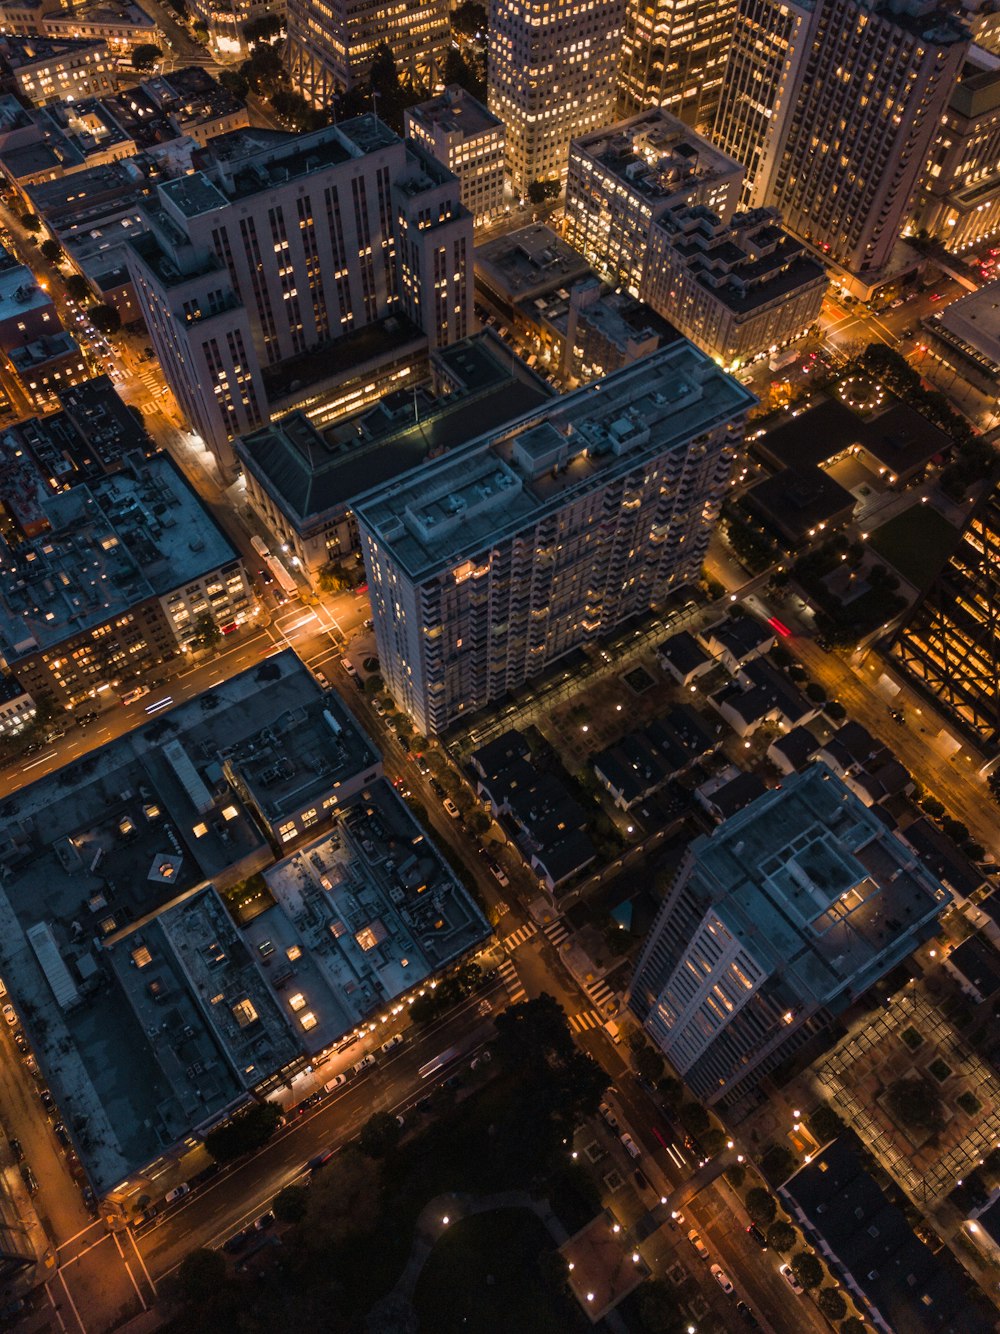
(770, 39)
(673, 55)
(951, 644)
(468, 140)
(283, 243)
(331, 43)
(736, 289)
(551, 76)
(868, 104)
(490, 563)
(776, 922)
(622, 178)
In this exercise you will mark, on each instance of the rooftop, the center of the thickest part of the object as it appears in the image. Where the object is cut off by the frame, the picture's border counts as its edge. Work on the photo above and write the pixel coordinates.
(319, 472)
(19, 293)
(508, 478)
(528, 262)
(28, 357)
(816, 886)
(363, 915)
(973, 322)
(795, 501)
(113, 542)
(454, 112)
(24, 52)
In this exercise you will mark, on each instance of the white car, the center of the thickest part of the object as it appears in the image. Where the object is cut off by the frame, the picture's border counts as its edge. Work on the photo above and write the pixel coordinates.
(335, 1083)
(697, 1243)
(10, 1015)
(365, 1063)
(608, 1115)
(177, 1193)
(499, 874)
(348, 667)
(322, 678)
(722, 1278)
(396, 1040)
(451, 808)
(788, 1274)
(379, 707)
(630, 1145)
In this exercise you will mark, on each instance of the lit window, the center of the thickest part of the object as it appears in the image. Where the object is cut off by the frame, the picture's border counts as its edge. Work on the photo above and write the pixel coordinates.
(298, 1001)
(229, 812)
(308, 1020)
(200, 830)
(294, 952)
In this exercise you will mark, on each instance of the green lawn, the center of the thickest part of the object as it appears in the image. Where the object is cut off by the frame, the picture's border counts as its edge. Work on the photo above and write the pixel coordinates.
(916, 543)
(487, 1275)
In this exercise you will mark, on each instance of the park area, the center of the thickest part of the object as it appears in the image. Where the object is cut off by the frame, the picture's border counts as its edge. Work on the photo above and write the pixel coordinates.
(915, 543)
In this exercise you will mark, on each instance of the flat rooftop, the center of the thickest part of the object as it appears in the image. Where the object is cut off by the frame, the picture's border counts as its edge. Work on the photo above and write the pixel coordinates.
(655, 155)
(454, 111)
(362, 916)
(509, 478)
(529, 262)
(816, 886)
(973, 323)
(20, 293)
(113, 542)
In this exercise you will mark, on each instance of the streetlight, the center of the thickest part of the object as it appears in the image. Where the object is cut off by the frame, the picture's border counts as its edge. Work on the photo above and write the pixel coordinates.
(446, 1220)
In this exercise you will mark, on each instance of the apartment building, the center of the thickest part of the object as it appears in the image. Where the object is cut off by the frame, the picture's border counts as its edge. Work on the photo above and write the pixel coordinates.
(769, 43)
(736, 290)
(622, 178)
(489, 564)
(42, 69)
(331, 43)
(463, 136)
(673, 55)
(777, 921)
(869, 101)
(283, 244)
(551, 76)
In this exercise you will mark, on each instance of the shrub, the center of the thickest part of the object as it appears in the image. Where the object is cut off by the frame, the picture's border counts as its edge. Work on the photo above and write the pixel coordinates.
(781, 1236)
(832, 1304)
(761, 1205)
(807, 1269)
(825, 1124)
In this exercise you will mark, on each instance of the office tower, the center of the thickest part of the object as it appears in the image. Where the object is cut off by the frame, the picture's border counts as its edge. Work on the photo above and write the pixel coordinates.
(959, 202)
(673, 55)
(869, 101)
(622, 178)
(268, 255)
(734, 289)
(487, 565)
(331, 42)
(551, 76)
(776, 922)
(469, 141)
(950, 646)
(770, 40)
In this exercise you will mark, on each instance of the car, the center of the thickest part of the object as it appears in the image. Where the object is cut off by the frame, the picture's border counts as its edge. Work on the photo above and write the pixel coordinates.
(897, 715)
(237, 1242)
(335, 1083)
(61, 1134)
(722, 1278)
(16, 1150)
(322, 678)
(396, 1040)
(48, 1102)
(320, 1159)
(177, 1193)
(631, 1148)
(89, 1199)
(424, 1105)
(364, 1064)
(21, 1042)
(484, 1058)
(747, 1316)
(10, 1014)
(422, 764)
(438, 788)
(788, 1274)
(379, 707)
(935, 296)
(499, 874)
(608, 1115)
(265, 1221)
(451, 809)
(697, 1243)
(349, 667)
(29, 1179)
(369, 625)
(754, 1231)
(676, 1219)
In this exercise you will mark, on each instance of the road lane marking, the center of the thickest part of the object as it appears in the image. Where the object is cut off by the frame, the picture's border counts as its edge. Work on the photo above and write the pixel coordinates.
(82, 1233)
(69, 1298)
(55, 1308)
(41, 760)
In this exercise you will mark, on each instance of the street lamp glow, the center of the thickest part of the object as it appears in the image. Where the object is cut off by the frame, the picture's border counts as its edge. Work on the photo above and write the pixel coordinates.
(616, 1228)
(635, 1257)
(590, 1296)
(446, 1220)
(730, 1144)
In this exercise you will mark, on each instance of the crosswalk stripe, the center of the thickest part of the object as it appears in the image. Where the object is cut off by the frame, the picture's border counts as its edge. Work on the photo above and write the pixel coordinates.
(556, 932)
(599, 992)
(579, 1023)
(519, 936)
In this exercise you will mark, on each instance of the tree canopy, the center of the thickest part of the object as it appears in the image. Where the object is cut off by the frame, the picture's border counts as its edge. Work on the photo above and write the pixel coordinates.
(379, 1135)
(145, 56)
(244, 1132)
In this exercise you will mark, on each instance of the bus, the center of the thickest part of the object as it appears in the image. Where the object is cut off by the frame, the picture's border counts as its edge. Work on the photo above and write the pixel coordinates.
(285, 581)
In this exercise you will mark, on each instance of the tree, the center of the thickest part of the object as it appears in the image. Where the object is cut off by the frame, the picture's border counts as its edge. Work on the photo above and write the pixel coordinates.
(694, 1118)
(291, 1203)
(244, 1132)
(264, 29)
(933, 807)
(835, 711)
(470, 19)
(781, 1236)
(955, 829)
(761, 1205)
(670, 1090)
(374, 685)
(331, 579)
(105, 318)
(206, 633)
(145, 55)
(824, 1123)
(916, 1102)
(816, 693)
(77, 288)
(52, 251)
(234, 82)
(424, 1009)
(479, 823)
(832, 1304)
(648, 1063)
(343, 1201)
(379, 1135)
(30, 222)
(852, 1325)
(539, 191)
(658, 1309)
(200, 1275)
(199, 31)
(264, 71)
(807, 1269)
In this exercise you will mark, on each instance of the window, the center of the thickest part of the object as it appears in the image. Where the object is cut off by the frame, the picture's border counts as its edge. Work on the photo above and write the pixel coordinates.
(308, 1020)
(298, 1001)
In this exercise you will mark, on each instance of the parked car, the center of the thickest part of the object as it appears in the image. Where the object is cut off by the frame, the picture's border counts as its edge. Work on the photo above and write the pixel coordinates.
(237, 1242)
(722, 1278)
(177, 1193)
(335, 1083)
(10, 1014)
(483, 1058)
(758, 1236)
(630, 1145)
(438, 788)
(422, 764)
(788, 1274)
(499, 874)
(451, 808)
(697, 1243)
(365, 1063)
(396, 1040)
(61, 1134)
(29, 1179)
(21, 1042)
(322, 678)
(265, 1221)
(452, 1082)
(48, 1102)
(349, 667)
(747, 1316)
(16, 1150)
(608, 1115)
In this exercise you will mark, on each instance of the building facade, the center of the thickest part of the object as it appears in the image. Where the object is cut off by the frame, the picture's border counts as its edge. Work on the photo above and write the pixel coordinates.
(489, 564)
(467, 139)
(281, 245)
(674, 55)
(551, 76)
(868, 105)
(785, 914)
(736, 291)
(622, 178)
(43, 70)
(770, 40)
(331, 43)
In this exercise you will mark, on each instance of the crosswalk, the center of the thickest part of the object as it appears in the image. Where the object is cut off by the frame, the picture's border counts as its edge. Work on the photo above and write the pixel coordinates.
(152, 378)
(512, 982)
(556, 932)
(519, 936)
(600, 993)
(579, 1023)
